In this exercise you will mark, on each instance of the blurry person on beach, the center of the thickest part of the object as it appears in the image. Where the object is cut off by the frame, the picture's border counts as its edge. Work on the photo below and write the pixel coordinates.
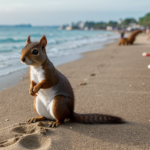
(122, 33)
(148, 33)
(148, 36)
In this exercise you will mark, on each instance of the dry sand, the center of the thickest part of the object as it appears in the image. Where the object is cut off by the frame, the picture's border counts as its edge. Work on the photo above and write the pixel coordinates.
(121, 86)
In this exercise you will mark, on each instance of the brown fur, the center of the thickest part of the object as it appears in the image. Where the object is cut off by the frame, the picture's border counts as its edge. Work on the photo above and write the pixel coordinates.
(34, 105)
(51, 77)
(32, 84)
(130, 40)
(95, 118)
(61, 110)
(123, 41)
(63, 106)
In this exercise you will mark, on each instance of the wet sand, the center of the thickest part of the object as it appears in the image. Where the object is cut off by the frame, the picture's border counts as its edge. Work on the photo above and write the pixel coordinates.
(121, 87)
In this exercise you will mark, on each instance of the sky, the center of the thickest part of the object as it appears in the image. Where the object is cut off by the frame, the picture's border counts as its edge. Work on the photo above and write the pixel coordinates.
(59, 12)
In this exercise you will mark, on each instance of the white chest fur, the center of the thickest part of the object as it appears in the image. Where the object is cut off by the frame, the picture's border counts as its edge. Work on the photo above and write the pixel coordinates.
(45, 98)
(37, 74)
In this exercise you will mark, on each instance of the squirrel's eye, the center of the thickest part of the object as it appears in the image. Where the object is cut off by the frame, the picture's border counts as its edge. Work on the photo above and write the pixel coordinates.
(35, 52)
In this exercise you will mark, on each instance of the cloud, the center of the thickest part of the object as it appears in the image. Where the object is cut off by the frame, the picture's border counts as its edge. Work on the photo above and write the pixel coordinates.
(49, 12)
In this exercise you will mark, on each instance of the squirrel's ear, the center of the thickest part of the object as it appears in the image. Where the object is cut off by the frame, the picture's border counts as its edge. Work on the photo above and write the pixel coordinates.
(43, 41)
(28, 40)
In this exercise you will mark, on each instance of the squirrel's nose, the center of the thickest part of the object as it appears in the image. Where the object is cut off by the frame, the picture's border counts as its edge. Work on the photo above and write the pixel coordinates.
(23, 59)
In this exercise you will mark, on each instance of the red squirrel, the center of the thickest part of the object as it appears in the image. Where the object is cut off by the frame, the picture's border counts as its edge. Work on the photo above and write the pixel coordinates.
(54, 97)
(130, 40)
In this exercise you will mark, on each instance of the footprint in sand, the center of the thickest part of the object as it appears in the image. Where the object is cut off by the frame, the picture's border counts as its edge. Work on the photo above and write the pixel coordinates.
(9, 142)
(25, 136)
(111, 57)
(101, 65)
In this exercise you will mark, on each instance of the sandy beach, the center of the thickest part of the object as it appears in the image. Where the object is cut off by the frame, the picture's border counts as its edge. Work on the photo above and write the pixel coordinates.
(120, 86)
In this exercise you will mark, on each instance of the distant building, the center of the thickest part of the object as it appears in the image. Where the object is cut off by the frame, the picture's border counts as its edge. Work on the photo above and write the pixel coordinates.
(68, 28)
(120, 21)
(134, 26)
(81, 25)
(109, 28)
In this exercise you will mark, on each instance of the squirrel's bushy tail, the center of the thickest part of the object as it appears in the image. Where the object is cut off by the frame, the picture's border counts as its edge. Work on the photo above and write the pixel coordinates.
(96, 119)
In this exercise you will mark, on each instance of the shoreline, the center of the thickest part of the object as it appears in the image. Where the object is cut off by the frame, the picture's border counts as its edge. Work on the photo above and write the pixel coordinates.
(15, 77)
(120, 87)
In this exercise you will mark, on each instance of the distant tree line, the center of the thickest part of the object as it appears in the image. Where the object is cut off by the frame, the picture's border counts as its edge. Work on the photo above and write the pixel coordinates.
(121, 24)
(145, 21)
(114, 24)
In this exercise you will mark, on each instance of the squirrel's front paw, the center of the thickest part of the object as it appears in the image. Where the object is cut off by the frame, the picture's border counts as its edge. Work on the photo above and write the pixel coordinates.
(36, 89)
(32, 93)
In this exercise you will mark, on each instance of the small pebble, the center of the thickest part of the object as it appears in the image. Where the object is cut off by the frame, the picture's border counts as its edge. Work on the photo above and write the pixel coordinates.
(83, 83)
(70, 127)
(143, 83)
(130, 85)
(93, 74)
(6, 120)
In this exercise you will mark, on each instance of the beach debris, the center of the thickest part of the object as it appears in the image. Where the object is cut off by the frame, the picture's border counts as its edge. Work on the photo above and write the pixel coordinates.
(93, 74)
(6, 119)
(83, 83)
(145, 54)
(148, 66)
(130, 85)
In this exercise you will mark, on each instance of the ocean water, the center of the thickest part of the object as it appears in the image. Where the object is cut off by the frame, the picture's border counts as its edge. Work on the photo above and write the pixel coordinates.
(62, 46)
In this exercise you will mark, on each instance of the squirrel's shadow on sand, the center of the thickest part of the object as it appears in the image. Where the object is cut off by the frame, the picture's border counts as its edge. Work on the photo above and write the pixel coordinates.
(128, 133)
(138, 44)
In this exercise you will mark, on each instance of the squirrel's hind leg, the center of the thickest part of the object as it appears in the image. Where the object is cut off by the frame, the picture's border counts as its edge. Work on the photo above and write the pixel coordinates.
(61, 109)
(35, 119)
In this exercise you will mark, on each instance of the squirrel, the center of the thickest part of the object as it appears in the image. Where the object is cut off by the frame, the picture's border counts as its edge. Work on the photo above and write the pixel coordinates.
(54, 96)
(130, 40)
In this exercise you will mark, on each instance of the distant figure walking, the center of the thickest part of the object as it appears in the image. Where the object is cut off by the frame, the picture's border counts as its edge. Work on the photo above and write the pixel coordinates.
(148, 36)
(148, 32)
(122, 34)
